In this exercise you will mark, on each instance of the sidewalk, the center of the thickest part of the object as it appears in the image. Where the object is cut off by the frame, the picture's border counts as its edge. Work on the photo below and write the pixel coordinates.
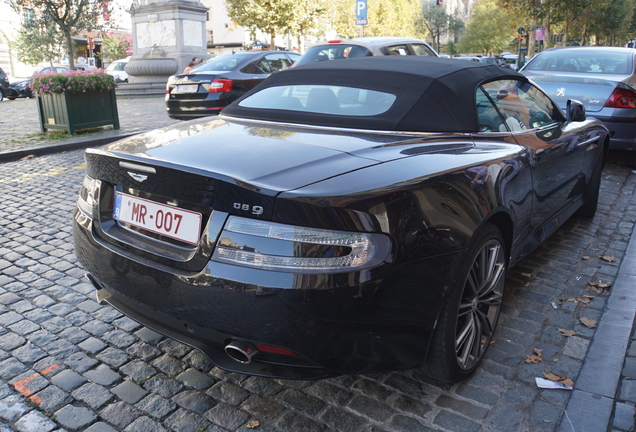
(20, 129)
(604, 397)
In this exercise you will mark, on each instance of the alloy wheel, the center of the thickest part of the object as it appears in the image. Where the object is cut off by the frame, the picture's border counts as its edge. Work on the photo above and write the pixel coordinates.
(480, 304)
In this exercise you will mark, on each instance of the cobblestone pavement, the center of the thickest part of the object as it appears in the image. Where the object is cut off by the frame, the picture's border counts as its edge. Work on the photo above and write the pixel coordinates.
(20, 127)
(68, 363)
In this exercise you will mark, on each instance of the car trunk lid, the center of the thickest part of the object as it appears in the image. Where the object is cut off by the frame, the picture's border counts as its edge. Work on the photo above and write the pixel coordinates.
(591, 90)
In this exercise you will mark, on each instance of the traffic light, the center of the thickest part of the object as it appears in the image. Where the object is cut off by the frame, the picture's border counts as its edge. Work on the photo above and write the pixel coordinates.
(90, 42)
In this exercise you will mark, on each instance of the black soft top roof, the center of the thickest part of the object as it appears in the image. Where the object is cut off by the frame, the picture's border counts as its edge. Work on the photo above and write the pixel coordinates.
(433, 94)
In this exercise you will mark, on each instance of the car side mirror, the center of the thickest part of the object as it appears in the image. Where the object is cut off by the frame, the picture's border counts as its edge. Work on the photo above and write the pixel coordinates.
(575, 111)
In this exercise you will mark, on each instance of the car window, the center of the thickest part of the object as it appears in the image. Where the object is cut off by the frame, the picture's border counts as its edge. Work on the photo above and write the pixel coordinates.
(489, 118)
(401, 49)
(222, 63)
(272, 63)
(523, 105)
(335, 52)
(422, 50)
(322, 99)
(594, 62)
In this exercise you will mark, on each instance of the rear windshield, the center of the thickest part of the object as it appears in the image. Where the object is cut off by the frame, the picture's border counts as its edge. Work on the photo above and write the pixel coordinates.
(594, 62)
(322, 99)
(333, 52)
(222, 63)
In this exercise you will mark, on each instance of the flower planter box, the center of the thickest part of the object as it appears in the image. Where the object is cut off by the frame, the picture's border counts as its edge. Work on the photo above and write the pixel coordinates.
(72, 111)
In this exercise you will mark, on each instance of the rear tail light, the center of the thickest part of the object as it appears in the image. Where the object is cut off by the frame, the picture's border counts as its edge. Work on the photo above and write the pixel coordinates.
(221, 86)
(622, 97)
(274, 246)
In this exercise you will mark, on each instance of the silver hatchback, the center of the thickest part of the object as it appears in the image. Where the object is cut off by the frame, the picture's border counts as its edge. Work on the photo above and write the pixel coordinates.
(366, 46)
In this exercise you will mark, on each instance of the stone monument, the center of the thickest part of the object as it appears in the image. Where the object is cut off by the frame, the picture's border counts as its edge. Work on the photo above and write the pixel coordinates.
(167, 35)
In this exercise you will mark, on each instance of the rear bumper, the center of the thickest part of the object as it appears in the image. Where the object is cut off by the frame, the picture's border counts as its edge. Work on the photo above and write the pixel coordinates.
(622, 129)
(382, 323)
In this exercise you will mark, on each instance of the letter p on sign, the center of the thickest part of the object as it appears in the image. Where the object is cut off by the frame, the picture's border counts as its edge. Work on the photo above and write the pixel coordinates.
(361, 8)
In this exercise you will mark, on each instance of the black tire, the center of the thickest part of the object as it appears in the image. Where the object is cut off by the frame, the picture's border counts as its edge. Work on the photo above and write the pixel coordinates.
(11, 98)
(590, 196)
(470, 313)
(1, 95)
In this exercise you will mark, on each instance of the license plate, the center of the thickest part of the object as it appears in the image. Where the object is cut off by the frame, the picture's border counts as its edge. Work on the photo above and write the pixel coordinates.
(159, 218)
(186, 88)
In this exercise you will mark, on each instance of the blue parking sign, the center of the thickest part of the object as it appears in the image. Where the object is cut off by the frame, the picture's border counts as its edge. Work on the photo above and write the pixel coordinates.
(361, 9)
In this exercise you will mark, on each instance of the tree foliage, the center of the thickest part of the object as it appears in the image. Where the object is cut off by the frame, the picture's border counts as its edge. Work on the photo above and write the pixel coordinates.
(306, 17)
(385, 17)
(579, 22)
(438, 22)
(37, 41)
(269, 16)
(68, 16)
(115, 47)
(489, 30)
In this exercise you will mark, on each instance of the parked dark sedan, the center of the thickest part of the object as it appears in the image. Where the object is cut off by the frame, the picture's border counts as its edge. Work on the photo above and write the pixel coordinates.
(603, 78)
(341, 217)
(211, 86)
(22, 88)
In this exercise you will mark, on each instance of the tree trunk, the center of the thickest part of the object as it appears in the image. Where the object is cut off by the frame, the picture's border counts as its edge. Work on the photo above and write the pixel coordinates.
(69, 48)
(566, 29)
(272, 42)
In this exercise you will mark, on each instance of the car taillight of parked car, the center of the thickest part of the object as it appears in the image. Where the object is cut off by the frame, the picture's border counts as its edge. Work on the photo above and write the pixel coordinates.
(221, 86)
(621, 98)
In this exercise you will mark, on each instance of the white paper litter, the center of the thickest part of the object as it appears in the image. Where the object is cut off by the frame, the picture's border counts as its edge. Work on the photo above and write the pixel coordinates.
(547, 384)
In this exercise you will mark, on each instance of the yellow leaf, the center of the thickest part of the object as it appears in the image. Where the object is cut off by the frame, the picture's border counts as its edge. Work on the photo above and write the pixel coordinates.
(607, 258)
(585, 257)
(536, 358)
(557, 378)
(589, 323)
(565, 332)
(253, 424)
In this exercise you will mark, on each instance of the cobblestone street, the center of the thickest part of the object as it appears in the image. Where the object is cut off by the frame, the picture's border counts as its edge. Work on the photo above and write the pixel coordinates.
(68, 363)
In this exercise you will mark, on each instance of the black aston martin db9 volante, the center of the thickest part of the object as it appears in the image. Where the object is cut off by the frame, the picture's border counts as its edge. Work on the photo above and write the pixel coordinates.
(341, 217)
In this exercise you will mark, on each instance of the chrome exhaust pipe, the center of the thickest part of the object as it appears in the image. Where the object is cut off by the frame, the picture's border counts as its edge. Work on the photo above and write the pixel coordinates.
(241, 351)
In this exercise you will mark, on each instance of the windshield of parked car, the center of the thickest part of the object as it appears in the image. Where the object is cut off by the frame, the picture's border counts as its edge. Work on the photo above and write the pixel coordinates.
(583, 61)
(322, 99)
(221, 63)
(333, 52)
(116, 66)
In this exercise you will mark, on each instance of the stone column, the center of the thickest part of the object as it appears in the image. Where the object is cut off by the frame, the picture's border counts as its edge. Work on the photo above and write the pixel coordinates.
(167, 34)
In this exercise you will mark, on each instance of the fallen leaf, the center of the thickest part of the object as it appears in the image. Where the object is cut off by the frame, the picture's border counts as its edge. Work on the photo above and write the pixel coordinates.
(253, 424)
(527, 275)
(607, 258)
(557, 378)
(598, 287)
(565, 332)
(27, 157)
(547, 421)
(536, 357)
(585, 257)
(589, 323)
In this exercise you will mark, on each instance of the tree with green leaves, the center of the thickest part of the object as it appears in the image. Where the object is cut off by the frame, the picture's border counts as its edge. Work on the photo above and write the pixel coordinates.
(386, 18)
(438, 22)
(269, 16)
(68, 16)
(307, 19)
(37, 41)
(115, 47)
(489, 30)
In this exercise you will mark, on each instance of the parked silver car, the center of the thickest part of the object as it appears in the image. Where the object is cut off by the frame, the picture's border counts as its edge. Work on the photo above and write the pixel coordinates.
(366, 46)
(603, 78)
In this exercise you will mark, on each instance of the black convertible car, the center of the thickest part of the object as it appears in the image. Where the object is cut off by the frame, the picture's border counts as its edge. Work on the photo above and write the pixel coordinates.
(341, 217)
